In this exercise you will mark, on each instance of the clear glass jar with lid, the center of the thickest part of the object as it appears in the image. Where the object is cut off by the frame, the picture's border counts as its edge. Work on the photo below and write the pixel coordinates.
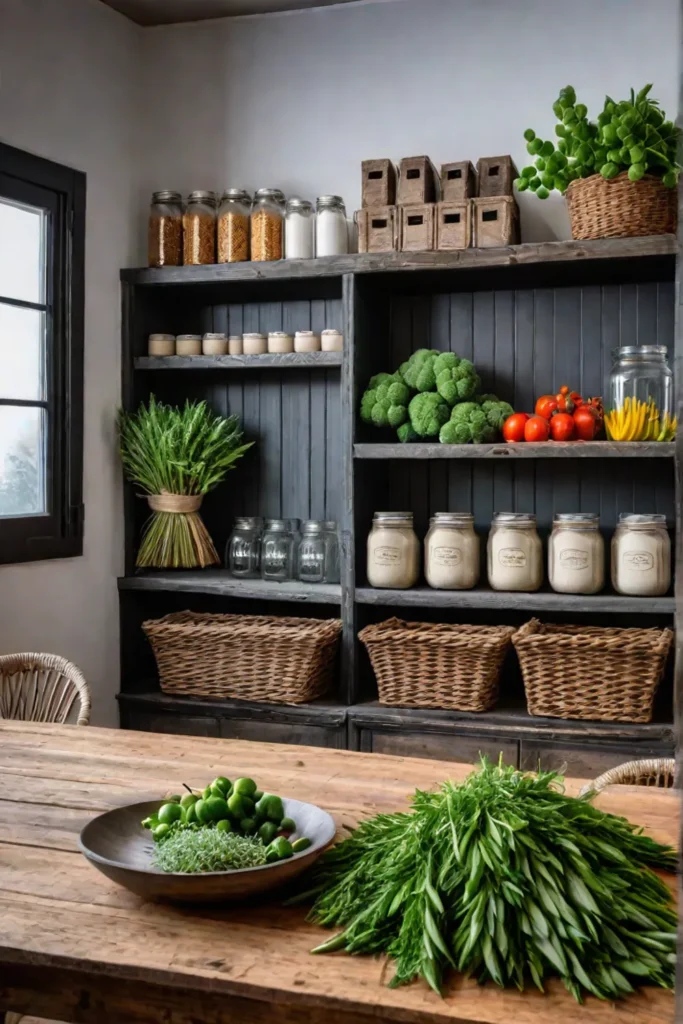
(232, 232)
(165, 230)
(267, 225)
(299, 224)
(642, 372)
(393, 551)
(576, 554)
(243, 550)
(199, 229)
(331, 228)
(332, 560)
(451, 552)
(278, 550)
(641, 556)
(312, 553)
(515, 552)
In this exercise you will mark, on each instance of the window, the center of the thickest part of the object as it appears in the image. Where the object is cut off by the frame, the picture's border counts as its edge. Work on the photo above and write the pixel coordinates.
(42, 240)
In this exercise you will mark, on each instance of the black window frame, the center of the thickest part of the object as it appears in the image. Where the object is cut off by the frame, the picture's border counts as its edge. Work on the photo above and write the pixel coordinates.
(32, 180)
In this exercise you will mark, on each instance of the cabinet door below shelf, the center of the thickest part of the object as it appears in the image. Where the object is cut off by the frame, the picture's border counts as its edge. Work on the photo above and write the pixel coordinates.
(583, 761)
(180, 725)
(451, 746)
(304, 734)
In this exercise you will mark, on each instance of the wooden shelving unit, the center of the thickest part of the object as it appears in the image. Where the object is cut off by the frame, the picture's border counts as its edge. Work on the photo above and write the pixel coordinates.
(529, 316)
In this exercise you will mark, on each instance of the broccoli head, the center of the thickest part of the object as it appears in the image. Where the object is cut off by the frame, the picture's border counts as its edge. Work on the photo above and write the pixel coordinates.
(406, 433)
(496, 412)
(467, 424)
(418, 371)
(385, 405)
(428, 412)
(382, 378)
(459, 382)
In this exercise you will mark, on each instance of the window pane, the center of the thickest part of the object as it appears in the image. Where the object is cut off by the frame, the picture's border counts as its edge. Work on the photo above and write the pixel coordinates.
(22, 353)
(23, 437)
(22, 251)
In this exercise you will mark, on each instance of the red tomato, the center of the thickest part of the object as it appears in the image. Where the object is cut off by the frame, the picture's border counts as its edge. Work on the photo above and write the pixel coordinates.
(546, 406)
(568, 400)
(586, 422)
(562, 427)
(537, 428)
(513, 428)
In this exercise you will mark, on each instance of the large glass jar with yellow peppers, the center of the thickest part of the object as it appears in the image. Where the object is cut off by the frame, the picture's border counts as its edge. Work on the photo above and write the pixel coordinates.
(641, 402)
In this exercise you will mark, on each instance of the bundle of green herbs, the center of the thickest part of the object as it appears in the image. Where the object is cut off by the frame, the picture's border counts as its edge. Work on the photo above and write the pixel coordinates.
(504, 878)
(177, 456)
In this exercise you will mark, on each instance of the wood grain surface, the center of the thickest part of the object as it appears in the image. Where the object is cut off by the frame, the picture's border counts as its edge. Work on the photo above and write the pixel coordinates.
(75, 947)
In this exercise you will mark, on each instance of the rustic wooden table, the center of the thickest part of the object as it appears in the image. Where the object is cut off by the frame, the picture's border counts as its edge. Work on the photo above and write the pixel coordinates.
(75, 947)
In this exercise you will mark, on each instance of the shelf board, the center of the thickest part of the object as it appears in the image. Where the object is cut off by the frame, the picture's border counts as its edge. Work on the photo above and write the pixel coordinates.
(523, 450)
(327, 710)
(270, 361)
(369, 263)
(221, 583)
(541, 601)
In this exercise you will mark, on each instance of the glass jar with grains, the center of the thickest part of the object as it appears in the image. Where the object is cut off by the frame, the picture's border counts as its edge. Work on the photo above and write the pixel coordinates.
(299, 225)
(452, 552)
(515, 553)
(199, 229)
(165, 230)
(267, 225)
(393, 551)
(641, 556)
(576, 554)
(331, 229)
(233, 226)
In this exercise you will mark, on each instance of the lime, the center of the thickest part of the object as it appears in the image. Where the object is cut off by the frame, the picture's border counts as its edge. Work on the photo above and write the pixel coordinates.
(160, 831)
(245, 786)
(218, 791)
(223, 825)
(191, 814)
(238, 806)
(201, 812)
(216, 808)
(173, 798)
(248, 825)
(259, 792)
(276, 811)
(169, 813)
(267, 832)
(283, 847)
(188, 800)
(301, 844)
(224, 783)
(207, 793)
(288, 825)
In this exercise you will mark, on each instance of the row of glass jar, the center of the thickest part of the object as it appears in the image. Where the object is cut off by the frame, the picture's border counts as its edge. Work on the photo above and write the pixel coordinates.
(284, 549)
(329, 340)
(641, 553)
(236, 228)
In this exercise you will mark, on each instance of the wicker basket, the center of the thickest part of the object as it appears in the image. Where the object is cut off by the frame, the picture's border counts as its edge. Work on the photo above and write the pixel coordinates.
(659, 772)
(422, 665)
(610, 675)
(621, 208)
(248, 657)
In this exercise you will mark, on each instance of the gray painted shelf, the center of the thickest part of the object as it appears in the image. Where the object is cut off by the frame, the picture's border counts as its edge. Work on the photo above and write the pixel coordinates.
(221, 583)
(524, 450)
(541, 601)
(270, 361)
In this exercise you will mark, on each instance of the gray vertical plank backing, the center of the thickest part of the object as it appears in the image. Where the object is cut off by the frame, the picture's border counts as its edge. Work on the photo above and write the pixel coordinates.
(349, 650)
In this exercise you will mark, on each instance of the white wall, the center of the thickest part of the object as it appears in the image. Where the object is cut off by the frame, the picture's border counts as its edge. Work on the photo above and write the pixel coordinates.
(69, 92)
(297, 101)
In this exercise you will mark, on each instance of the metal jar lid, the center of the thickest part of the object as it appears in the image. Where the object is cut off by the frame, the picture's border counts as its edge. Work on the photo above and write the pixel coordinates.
(277, 525)
(189, 337)
(634, 519)
(297, 205)
(279, 334)
(166, 196)
(200, 196)
(392, 517)
(248, 523)
(457, 519)
(335, 332)
(215, 337)
(639, 352)
(522, 519)
(330, 525)
(254, 334)
(329, 203)
(237, 194)
(270, 193)
(163, 337)
(312, 526)
(577, 520)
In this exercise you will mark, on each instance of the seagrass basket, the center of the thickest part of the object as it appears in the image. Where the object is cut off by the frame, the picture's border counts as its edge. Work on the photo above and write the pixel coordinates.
(620, 208)
(246, 657)
(659, 772)
(427, 665)
(605, 674)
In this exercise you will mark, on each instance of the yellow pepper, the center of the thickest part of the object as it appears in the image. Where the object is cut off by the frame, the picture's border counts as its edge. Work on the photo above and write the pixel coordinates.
(639, 421)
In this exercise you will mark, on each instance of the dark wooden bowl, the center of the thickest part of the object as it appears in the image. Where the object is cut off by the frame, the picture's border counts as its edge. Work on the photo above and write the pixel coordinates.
(119, 847)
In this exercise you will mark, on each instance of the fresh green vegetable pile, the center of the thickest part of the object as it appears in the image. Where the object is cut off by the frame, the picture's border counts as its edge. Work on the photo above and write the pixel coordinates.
(630, 135)
(505, 878)
(444, 383)
(192, 824)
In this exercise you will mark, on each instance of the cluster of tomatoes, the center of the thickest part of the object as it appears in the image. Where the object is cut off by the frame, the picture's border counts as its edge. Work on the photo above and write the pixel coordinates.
(565, 416)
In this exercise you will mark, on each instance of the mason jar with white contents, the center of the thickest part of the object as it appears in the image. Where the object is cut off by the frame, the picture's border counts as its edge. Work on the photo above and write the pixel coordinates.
(641, 556)
(576, 554)
(299, 225)
(452, 552)
(331, 228)
(515, 552)
(393, 551)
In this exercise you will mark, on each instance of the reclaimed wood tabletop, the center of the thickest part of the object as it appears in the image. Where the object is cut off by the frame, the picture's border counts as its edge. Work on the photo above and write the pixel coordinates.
(76, 947)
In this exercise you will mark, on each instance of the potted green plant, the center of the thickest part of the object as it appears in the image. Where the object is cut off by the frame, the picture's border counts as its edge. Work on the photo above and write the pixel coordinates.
(619, 173)
(177, 456)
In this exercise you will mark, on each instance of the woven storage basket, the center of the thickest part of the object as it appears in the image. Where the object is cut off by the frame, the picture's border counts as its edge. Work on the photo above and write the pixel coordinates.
(610, 675)
(621, 208)
(423, 665)
(248, 657)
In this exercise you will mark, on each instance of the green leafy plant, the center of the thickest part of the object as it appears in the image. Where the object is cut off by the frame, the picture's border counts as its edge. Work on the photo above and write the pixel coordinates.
(190, 849)
(177, 453)
(631, 136)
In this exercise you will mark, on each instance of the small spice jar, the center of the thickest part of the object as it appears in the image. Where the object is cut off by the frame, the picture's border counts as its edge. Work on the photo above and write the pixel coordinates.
(306, 341)
(451, 551)
(214, 345)
(641, 556)
(243, 551)
(278, 549)
(267, 225)
(299, 225)
(188, 345)
(161, 345)
(331, 228)
(232, 229)
(515, 553)
(576, 554)
(199, 229)
(311, 560)
(280, 342)
(393, 551)
(165, 230)
(331, 340)
(254, 344)
(235, 345)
